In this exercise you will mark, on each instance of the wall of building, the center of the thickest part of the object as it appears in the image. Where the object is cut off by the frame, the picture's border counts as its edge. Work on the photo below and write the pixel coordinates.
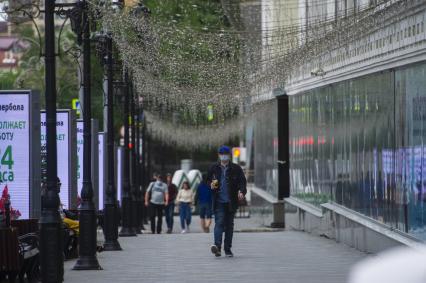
(358, 130)
(360, 143)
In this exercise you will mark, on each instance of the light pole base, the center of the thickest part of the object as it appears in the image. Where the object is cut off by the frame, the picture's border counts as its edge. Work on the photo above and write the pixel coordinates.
(111, 227)
(51, 247)
(112, 246)
(87, 263)
(127, 232)
(87, 240)
(135, 218)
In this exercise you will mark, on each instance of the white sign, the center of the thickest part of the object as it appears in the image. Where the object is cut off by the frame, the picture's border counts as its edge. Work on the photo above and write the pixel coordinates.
(101, 140)
(63, 156)
(15, 150)
(119, 172)
(80, 142)
(94, 159)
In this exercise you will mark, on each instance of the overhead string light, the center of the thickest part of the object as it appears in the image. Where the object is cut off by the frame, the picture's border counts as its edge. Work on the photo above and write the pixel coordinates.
(183, 72)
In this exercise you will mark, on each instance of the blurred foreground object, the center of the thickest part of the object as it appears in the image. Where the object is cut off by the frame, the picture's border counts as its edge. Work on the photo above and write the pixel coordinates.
(394, 266)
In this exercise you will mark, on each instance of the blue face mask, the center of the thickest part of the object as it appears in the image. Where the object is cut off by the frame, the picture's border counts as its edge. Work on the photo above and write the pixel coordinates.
(224, 157)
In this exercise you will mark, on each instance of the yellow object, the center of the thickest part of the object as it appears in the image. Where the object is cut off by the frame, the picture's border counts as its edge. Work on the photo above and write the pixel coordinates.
(73, 225)
(215, 184)
(76, 105)
(236, 152)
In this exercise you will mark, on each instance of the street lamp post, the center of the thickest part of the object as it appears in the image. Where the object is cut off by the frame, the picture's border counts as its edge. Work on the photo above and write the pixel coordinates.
(110, 210)
(145, 178)
(139, 167)
(51, 234)
(135, 173)
(127, 223)
(87, 217)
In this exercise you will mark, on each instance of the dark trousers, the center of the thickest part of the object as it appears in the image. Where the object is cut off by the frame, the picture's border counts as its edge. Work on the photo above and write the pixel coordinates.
(224, 223)
(156, 210)
(169, 210)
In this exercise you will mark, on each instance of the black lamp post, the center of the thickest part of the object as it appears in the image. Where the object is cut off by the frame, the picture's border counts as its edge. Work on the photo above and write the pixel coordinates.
(145, 177)
(87, 216)
(51, 234)
(127, 222)
(135, 173)
(110, 209)
(139, 167)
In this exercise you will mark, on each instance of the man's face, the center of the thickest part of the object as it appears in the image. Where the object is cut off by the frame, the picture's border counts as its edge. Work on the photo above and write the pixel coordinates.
(169, 179)
(224, 157)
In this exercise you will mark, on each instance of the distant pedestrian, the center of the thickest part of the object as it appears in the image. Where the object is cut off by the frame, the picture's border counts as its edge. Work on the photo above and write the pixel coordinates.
(185, 198)
(145, 211)
(156, 197)
(170, 208)
(204, 203)
(228, 183)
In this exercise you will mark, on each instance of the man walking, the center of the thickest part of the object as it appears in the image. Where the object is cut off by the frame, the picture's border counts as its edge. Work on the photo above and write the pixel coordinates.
(228, 183)
(156, 197)
(170, 208)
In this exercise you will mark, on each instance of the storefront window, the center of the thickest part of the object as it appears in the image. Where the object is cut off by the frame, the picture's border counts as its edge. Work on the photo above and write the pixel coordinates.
(265, 148)
(362, 144)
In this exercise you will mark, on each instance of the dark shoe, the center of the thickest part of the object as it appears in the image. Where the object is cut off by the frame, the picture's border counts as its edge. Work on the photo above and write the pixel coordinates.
(215, 250)
(169, 231)
(228, 253)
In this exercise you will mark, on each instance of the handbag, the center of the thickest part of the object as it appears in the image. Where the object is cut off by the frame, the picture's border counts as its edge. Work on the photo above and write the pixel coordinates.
(242, 202)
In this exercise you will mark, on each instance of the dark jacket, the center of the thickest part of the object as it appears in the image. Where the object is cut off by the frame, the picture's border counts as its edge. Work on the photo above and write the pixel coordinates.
(173, 191)
(236, 182)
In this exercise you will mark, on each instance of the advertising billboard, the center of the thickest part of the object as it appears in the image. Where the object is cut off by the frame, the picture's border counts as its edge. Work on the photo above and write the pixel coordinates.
(119, 168)
(65, 154)
(19, 148)
(94, 158)
(102, 169)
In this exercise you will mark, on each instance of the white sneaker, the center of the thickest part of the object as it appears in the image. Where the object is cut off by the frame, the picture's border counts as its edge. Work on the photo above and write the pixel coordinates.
(183, 231)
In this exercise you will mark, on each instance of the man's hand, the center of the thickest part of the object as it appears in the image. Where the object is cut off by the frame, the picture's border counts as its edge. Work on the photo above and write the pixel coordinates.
(241, 196)
(214, 185)
(146, 204)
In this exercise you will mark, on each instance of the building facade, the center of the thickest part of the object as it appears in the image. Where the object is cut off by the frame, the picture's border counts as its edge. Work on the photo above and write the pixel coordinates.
(356, 117)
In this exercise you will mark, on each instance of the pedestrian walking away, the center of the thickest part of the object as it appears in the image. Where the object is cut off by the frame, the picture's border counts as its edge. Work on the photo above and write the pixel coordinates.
(228, 184)
(170, 208)
(156, 197)
(204, 203)
(185, 198)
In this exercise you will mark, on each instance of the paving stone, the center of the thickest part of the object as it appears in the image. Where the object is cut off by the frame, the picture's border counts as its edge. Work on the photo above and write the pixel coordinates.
(286, 256)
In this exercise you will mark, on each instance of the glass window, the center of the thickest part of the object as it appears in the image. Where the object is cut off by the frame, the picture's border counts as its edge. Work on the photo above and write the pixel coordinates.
(362, 144)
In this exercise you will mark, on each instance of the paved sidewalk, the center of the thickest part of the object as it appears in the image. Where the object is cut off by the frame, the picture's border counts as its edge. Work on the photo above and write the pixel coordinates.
(287, 256)
(241, 225)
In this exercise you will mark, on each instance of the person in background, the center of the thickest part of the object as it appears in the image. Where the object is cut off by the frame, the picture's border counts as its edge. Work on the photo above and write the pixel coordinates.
(69, 218)
(184, 198)
(228, 182)
(145, 209)
(156, 197)
(204, 202)
(170, 208)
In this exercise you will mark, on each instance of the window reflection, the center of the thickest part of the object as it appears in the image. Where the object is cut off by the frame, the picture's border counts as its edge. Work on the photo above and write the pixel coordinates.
(362, 144)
